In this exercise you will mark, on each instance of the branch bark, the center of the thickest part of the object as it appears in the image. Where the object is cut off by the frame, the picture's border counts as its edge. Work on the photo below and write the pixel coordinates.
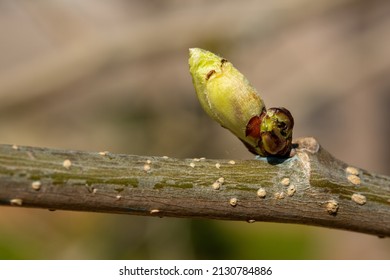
(312, 187)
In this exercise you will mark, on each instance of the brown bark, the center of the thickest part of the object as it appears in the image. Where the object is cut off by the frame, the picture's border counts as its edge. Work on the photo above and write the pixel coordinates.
(310, 188)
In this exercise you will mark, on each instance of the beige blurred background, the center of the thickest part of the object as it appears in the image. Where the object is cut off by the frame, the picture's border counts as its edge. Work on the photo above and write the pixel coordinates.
(100, 75)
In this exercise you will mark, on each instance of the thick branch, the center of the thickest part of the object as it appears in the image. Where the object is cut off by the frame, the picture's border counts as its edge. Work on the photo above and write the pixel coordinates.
(320, 190)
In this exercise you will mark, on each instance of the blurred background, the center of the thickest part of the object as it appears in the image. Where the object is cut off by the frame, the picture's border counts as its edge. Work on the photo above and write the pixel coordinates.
(100, 75)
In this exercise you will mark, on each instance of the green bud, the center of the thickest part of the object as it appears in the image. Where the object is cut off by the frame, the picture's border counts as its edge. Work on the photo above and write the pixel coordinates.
(228, 98)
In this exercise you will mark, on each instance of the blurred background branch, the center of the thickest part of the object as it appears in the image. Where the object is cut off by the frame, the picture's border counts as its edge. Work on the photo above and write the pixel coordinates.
(113, 75)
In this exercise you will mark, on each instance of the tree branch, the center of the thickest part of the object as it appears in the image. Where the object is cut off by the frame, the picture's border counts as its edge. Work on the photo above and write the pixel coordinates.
(310, 188)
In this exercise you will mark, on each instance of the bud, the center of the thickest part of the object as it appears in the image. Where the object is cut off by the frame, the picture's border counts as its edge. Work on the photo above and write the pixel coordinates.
(276, 132)
(228, 98)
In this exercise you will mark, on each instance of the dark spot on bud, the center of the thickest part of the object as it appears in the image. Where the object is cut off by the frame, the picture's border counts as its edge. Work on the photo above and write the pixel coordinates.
(283, 128)
(209, 74)
(223, 60)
